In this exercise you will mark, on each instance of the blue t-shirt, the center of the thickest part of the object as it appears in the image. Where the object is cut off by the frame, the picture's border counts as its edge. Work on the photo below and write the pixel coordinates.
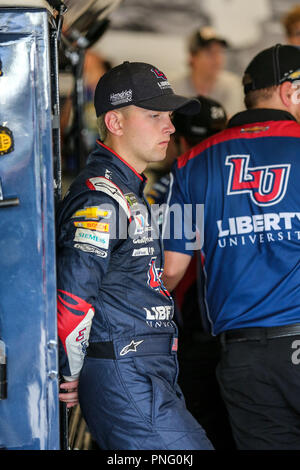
(246, 180)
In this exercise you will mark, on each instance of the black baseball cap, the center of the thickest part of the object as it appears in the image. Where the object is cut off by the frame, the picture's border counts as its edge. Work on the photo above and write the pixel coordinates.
(212, 118)
(203, 37)
(271, 67)
(142, 85)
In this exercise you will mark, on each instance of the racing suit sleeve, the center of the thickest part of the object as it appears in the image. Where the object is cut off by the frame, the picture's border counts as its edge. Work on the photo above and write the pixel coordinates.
(86, 237)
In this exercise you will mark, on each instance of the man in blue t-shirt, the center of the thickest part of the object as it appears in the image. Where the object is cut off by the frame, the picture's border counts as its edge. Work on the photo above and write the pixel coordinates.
(242, 185)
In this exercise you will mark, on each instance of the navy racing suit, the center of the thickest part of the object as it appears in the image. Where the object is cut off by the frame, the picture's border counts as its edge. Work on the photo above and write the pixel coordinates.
(115, 324)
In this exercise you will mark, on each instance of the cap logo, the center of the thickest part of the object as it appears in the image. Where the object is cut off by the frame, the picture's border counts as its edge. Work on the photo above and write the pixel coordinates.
(124, 96)
(292, 75)
(217, 112)
(158, 73)
(164, 84)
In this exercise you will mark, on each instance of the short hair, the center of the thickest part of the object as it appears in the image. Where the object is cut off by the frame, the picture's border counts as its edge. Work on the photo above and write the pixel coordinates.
(101, 126)
(253, 97)
(292, 17)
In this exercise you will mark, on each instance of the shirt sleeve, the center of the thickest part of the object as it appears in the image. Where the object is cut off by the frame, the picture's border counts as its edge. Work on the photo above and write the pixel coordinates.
(85, 240)
(180, 230)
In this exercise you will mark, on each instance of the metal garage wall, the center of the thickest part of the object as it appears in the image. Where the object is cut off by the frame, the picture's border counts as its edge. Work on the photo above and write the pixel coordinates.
(29, 413)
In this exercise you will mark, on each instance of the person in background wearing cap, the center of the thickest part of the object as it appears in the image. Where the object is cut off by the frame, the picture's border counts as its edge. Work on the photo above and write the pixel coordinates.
(118, 341)
(247, 178)
(207, 75)
(291, 24)
(199, 351)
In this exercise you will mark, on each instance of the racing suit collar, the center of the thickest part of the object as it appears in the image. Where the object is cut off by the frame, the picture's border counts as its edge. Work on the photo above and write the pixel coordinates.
(136, 180)
(251, 116)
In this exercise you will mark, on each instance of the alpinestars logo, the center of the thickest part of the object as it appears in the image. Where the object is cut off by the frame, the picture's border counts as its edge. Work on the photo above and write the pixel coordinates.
(266, 184)
(130, 347)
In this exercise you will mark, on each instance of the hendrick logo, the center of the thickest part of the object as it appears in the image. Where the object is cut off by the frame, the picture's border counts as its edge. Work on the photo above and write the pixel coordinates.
(124, 96)
(266, 184)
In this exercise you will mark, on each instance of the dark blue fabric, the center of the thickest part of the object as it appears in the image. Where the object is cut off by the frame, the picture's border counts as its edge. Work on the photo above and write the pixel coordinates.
(132, 402)
(251, 225)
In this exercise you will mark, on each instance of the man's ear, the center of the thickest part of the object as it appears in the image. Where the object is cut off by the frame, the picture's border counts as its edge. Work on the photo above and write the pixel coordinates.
(113, 121)
(286, 92)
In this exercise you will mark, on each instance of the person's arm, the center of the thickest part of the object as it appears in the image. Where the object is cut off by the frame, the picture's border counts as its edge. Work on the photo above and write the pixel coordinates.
(177, 247)
(175, 267)
(85, 242)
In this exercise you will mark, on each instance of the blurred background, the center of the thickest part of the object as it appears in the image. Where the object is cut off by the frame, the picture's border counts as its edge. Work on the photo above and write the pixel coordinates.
(157, 32)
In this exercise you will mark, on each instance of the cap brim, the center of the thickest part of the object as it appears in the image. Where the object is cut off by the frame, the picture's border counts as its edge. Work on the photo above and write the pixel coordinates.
(221, 41)
(207, 42)
(172, 102)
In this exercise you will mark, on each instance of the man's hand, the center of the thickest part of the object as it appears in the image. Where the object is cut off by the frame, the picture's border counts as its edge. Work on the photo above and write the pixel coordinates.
(70, 394)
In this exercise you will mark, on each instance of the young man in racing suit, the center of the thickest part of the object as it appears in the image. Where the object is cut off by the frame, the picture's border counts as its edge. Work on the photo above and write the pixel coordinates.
(117, 339)
(247, 178)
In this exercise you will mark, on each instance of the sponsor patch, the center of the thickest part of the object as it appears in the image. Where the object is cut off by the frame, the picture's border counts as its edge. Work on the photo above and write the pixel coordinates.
(131, 199)
(99, 226)
(92, 213)
(147, 250)
(142, 240)
(255, 129)
(140, 223)
(100, 183)
(6, 140)
(91, 249)
(100, 240)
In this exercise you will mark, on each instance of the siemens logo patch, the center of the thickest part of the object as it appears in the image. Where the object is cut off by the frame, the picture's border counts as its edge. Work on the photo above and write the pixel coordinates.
(100, 240)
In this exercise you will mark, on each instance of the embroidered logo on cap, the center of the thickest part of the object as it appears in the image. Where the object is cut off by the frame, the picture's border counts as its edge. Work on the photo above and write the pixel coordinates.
(124, 96)
(158, 73)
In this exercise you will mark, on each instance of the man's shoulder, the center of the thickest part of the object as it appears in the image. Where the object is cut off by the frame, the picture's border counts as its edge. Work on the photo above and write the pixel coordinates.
(239, 134)
(95, 186)
(200, 149)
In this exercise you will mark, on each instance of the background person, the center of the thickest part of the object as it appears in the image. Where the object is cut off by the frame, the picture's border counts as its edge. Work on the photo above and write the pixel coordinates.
(207, 74)
(291, 24)
(247, 178)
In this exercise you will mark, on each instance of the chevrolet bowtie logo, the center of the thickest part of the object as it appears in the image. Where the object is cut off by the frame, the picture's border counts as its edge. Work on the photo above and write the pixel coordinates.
(130, 347)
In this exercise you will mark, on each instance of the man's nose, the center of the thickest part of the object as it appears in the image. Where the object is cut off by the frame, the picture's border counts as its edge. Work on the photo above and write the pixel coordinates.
(170, 129)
